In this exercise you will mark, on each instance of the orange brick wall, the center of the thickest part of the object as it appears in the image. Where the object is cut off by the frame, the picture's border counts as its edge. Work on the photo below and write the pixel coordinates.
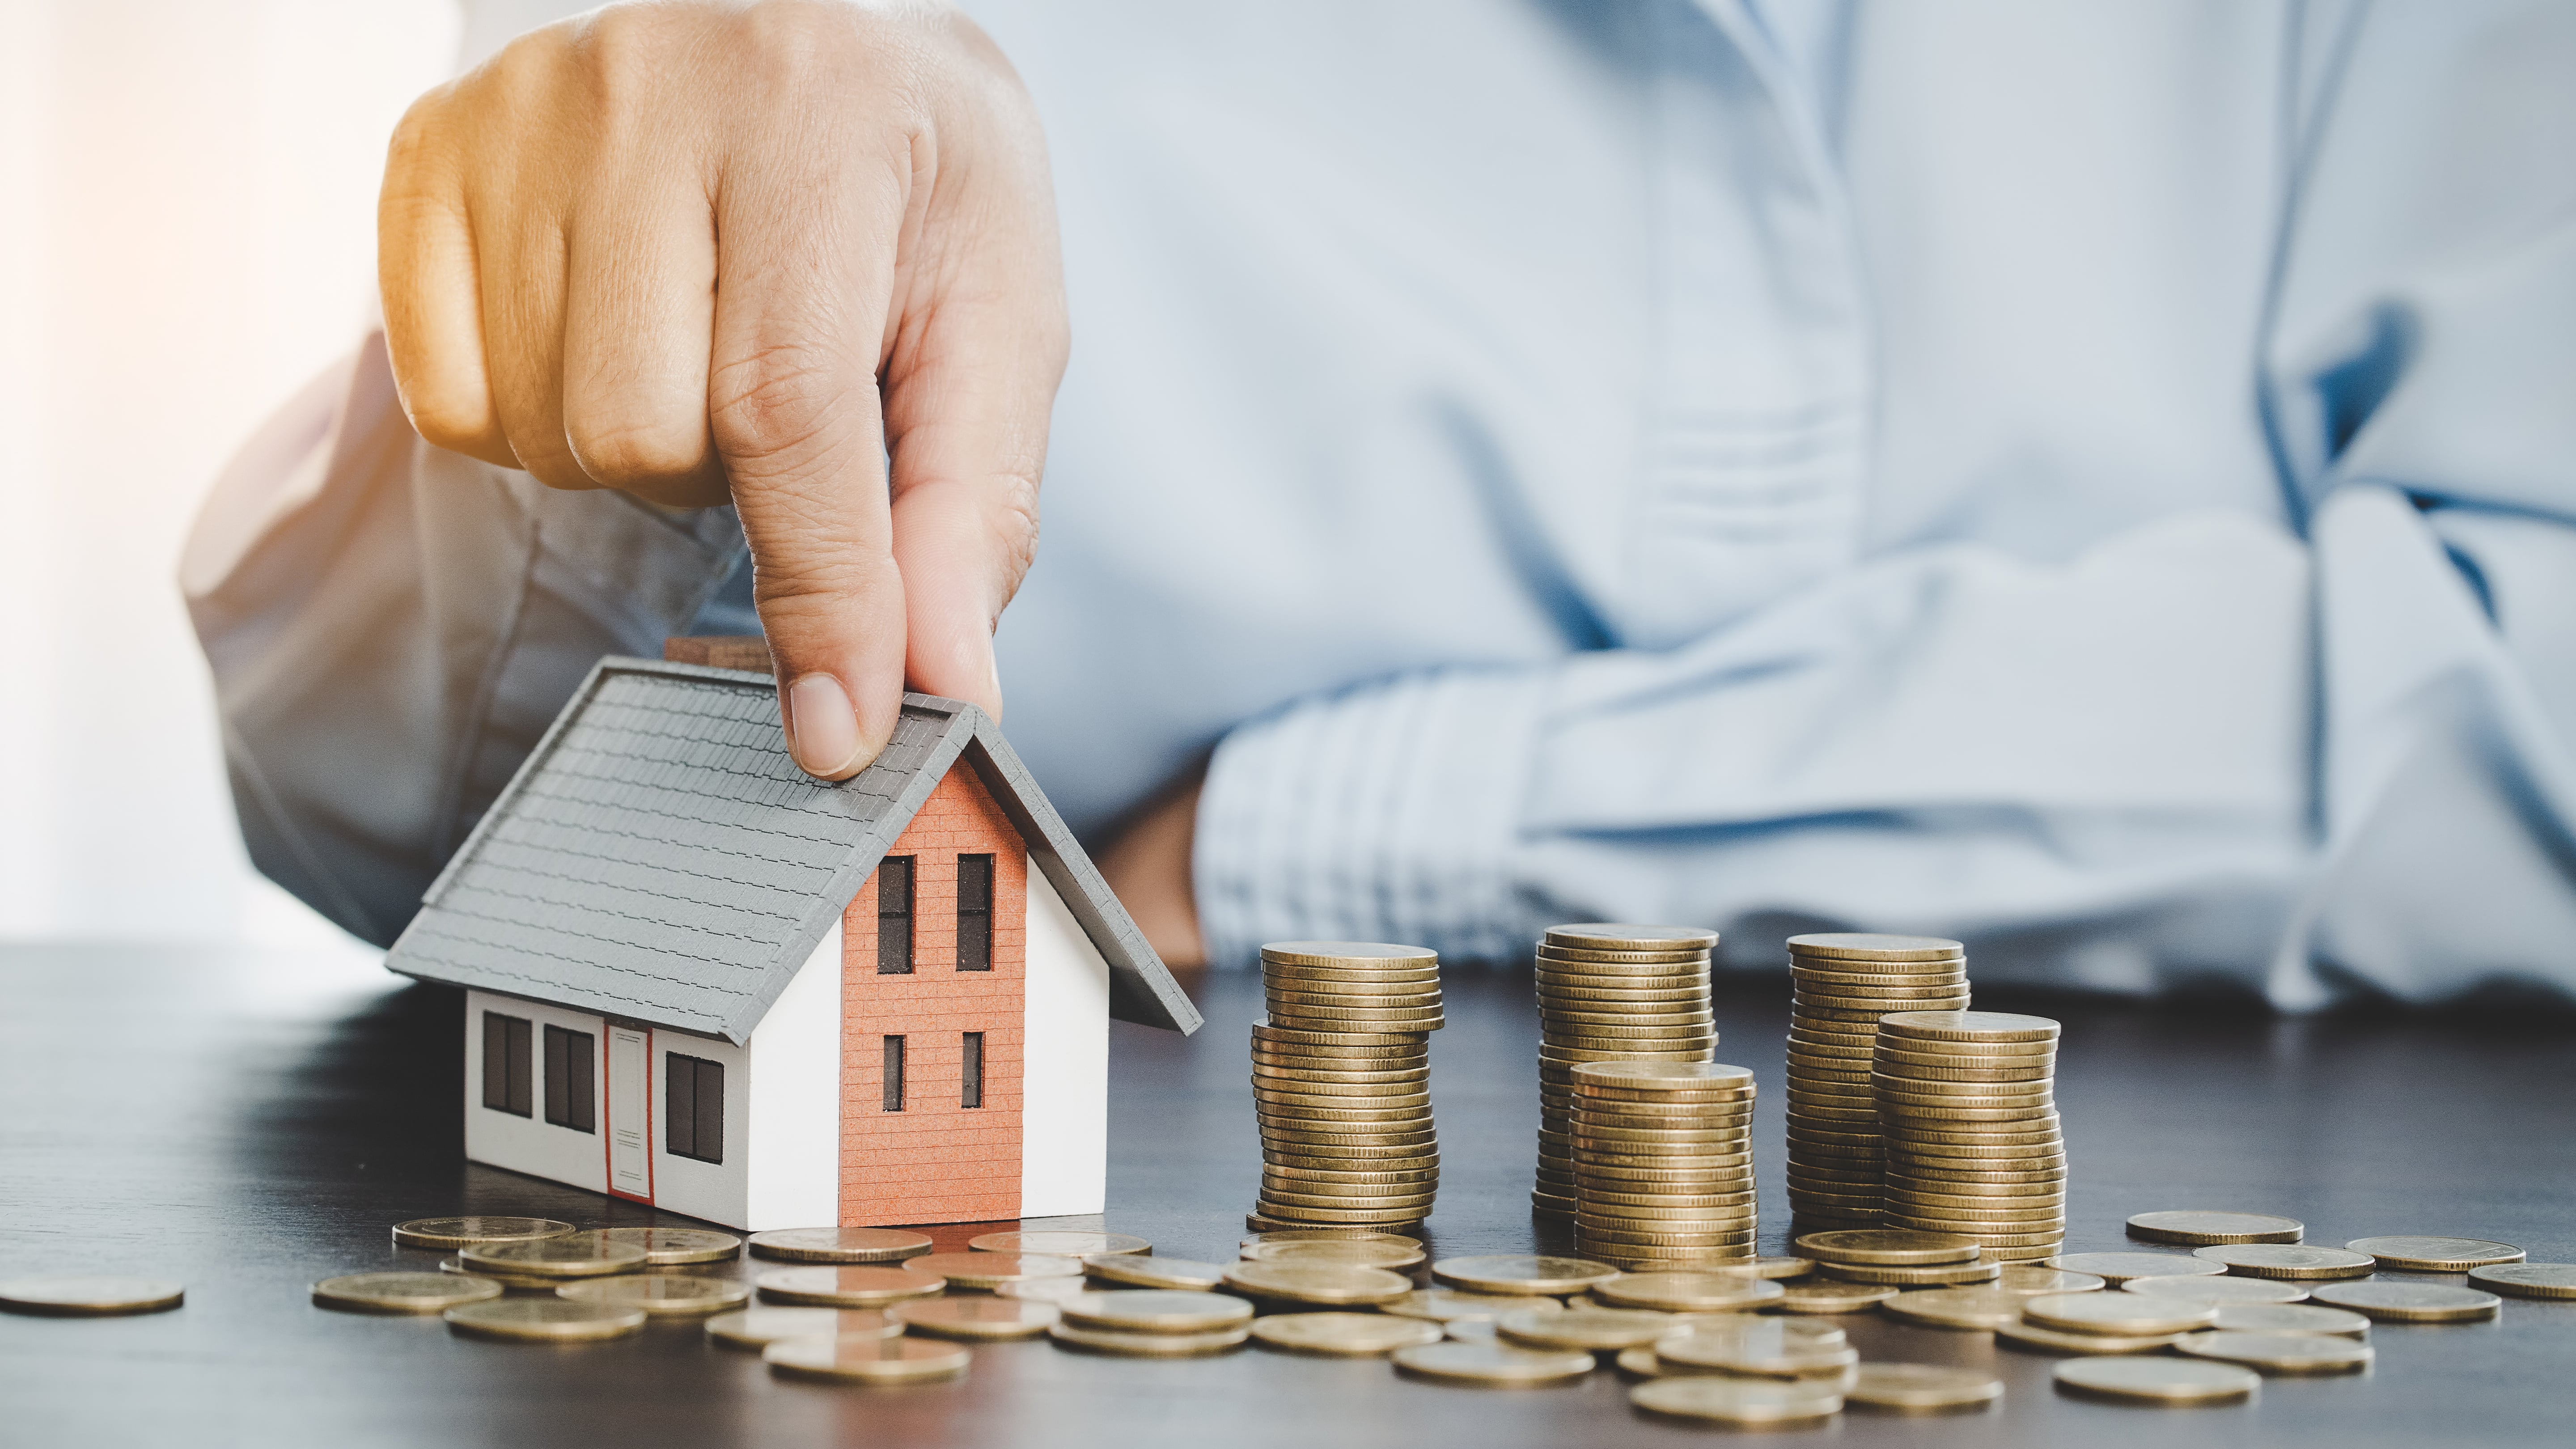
(936, 1161)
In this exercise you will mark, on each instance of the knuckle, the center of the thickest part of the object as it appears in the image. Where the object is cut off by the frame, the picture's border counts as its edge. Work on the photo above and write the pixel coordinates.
(649, 453)
(778, 404)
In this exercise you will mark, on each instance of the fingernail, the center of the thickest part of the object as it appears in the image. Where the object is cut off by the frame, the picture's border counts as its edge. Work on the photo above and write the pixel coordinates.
(822, 726)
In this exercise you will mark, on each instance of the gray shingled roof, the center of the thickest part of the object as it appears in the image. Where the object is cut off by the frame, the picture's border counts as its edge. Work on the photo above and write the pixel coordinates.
(659, 857)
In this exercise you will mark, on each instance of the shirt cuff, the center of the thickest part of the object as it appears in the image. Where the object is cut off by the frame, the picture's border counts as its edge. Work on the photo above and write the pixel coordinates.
(1387, 812)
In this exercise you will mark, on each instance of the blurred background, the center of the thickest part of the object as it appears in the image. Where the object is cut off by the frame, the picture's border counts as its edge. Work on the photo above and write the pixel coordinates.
(187, 214)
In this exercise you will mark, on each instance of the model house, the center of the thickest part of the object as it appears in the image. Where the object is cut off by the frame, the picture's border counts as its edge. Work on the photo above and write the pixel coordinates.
(699, 978)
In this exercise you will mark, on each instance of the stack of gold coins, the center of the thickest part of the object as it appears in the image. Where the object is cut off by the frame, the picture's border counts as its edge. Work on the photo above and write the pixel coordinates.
(1844, 985)
(1663, 1163)
(1967, 1106)
(1612, 993)
(1341, 1081)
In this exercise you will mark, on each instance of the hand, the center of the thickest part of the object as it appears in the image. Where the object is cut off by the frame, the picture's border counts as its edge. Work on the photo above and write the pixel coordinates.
(700, 250)
(1148, 868)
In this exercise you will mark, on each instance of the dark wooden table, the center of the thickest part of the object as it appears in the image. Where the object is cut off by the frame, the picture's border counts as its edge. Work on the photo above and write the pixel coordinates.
(249, 1124)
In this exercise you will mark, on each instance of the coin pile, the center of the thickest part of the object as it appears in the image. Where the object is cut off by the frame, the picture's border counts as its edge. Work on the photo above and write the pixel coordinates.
(1966, 1107)
(1663, 1163)
(1611, 993)
(1844, 985)
(1341, 1082)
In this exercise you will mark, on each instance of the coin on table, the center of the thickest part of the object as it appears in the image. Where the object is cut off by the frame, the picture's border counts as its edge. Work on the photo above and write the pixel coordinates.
(1345, 1252)
(2157, 1380)
(467, 1231)
(1324, 1284)
(1344, 1334)
(759, 1327)
(1143, 1270)
(2118, 1268)
(2039, 1338)
(1964, 1308)
(987, 1270)
(453, 1266)
(1920, 1387)
(1516, 1273)
(73, 1295)
(867, 1360)
(402, 1292)
(1826, 1295)
(662, 1295)
(1058, 1242)
(2205, 1228)
(1450, 1305)
(2290, 1318)
(544, 1320)
(1688, 1292)
(2023, 1278)
(1775, 1267)
(2124, 1315)
(1909, 1275)
(2281, 1260)
(1759, 1348)
(1153, 1310)
(839, 1245)
(2436, 1255)
(1879, 1246)
(567, 1255)
(1593, 1330)
(1490, 1365)
(1148, 1345)
(2411, 1302)
(975, 1317)
(847, 1287)
(2219, 1288)
(665, 1247)
(2281, 1353)
(2528, 1280)
(1739, 1403)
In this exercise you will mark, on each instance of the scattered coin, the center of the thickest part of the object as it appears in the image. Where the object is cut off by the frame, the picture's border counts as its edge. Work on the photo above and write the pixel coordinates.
(1903, 1275)
(2038, 1338)
(1964, 1308)
(987, 1270)
(1326, 1284)
(1759, 1347)
(976, 1317)
(1490, 1365)
(2150, 1380)
(2436, 1255)
(1593, 1330)
(855, 1287)
(2217, 1288)
(89, 1295)
(2281, 1260)
(1689, 1292)
(1520, 1274)
(759, 1327)
(1920, 1387)
(566, 1255)
(2118, 1268)
(544, 1320)
(862, 1359)
(2411, 1302)
(839, 1245)
(1151, 1310)
(1149, 1345)
(2121, 1315)
(1346, 1252)
(1059, 1243)
(1344, 1334)
(2528, 1280)
(1735, 1402)
(2281, 1353)
(453, 1266)
(1137, 1270)
(1831, 1296)
(666, 1247)
(2023, 1278)
(2203, 1228)
(466, 1231)
(661, 1295)
(1866, 1245)
(401, 1292)
(2290, 1318)
(1449, 1305)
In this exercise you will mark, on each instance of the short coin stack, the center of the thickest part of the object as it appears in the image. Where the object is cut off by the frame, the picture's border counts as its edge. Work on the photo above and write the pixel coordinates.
(1966, 1104)
(1612, 993)
(1663, 1163)
(1341, 1082)
(1844, 985)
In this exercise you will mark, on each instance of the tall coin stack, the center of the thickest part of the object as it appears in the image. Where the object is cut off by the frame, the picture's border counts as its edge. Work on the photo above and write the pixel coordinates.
(1663, 1163)
(1966, 1101)
(1844, 985)
(1341, 1081)
(1611, 993)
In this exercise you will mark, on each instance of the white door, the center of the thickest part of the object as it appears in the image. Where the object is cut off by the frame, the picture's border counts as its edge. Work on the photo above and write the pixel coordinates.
(630, 1119)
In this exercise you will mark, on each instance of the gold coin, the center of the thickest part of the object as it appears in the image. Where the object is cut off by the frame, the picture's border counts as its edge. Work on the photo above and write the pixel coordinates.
(1831, 980)
(1920, 1387)
(2157, 1380)
(1449, 1305)
(1310, 1235)
(467, 1231)
(1351, 1253)
(2118, 1268)
(1321, 1283)
(1629, 936)
(1825, 1295)
(2528, 1280)
(545, 1320)
(1138, 1270)
(1519, 1274)
(2028, 1280)
(2411, 1302)
(2038, 1338)
(1309, 1078)
(1689, 1292)
(864, 1286)
(1665, 1075)
(1319, 1019)
(985, 1270)
(1151, 1310)
(1351, 1094)
(757, 1328)
(2203, 1228)
(977, 1318)
(2126, 1315)
(1490, 1365)
(1148, 1345)
(1736, 1403)
(568, 1255)
(661, 1295)
(1975, 1026)
(1376, 1205)
(1759, 1346)
(2283, 1260)
(1359, 1006)
(2216, 1289)
(839, 1245)
(1914, 1275)
(455, 1267)
(1878, 1246)
(1593, 1330)
(1046, 1290)
(2289, 1318)
(1961, 1078)
(1344, 1334)
(2436, 1255)
(1972, 1308)
(402, 1292)
(867, 1360)
(666, 1247)
(1375, 1217)
(1339, 953)
(2281, 1353)
(1874, 946)
(1292, 1039)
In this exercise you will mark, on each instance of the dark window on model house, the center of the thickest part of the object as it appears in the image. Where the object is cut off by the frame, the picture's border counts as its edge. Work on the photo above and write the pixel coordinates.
(972, 1094)
(507, 1078)
(571, 1085)
(894, 1074)
(693, 1103)
(974, 913)
(894, 916)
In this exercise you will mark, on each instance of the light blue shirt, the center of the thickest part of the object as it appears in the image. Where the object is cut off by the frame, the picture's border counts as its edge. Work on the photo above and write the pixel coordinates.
(2097, 481)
